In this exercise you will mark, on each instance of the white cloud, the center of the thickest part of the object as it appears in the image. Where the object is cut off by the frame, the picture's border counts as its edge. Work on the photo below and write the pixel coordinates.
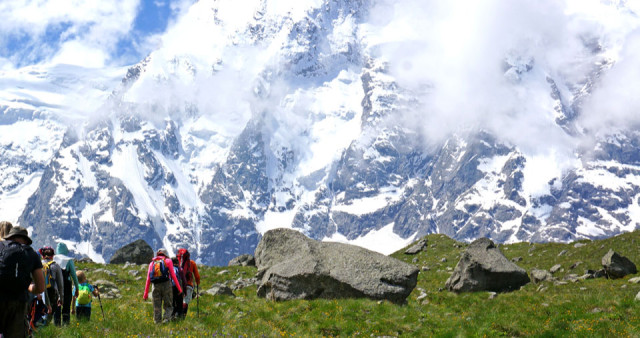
(454, 52)
(94, 27)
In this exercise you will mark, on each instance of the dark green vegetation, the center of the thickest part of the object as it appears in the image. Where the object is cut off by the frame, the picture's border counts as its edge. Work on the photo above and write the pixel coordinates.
(595, 307)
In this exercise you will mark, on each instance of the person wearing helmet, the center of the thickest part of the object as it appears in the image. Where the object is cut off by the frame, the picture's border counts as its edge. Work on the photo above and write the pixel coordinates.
(160, 274)
(54, 281)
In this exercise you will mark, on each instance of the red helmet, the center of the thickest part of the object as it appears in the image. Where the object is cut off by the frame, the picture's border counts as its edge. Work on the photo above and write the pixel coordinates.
(46, 251)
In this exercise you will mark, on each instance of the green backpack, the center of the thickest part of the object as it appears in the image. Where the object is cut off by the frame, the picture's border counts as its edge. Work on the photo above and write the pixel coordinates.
(84, 294)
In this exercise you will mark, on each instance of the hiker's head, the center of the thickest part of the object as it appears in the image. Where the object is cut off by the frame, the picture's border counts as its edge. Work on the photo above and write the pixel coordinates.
(18, 234)
(62, 249)
(162, 252)
(183, 255)
(46, 251)
(5, 227)
(175, 261)
(81, 276)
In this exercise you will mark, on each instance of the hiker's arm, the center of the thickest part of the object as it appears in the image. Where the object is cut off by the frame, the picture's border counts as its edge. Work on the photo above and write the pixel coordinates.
(60, 283)
(72, 271)
(172, 273)
(38, 281)
(195, 271)
(146, 286)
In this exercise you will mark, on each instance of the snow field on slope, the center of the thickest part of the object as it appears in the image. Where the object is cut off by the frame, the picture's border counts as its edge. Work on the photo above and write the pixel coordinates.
(384, 240)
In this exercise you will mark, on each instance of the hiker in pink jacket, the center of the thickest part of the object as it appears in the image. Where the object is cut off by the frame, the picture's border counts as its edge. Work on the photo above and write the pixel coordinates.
(160, 274)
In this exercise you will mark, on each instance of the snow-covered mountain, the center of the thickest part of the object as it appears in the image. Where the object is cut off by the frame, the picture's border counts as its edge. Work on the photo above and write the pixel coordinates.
(319, 115)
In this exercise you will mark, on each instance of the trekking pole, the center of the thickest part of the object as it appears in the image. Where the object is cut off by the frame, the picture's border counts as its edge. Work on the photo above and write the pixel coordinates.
(100, 301)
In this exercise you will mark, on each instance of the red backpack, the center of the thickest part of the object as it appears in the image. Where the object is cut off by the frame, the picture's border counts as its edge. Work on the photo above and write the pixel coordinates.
(185, 262)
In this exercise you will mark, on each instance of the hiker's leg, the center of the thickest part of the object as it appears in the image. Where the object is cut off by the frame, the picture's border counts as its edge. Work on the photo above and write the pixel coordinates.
(12, 318)
(57, 312)
(176, 309)
(167, 299)
(66, 303)
(52, 295)
(188, 294)
(157, 303)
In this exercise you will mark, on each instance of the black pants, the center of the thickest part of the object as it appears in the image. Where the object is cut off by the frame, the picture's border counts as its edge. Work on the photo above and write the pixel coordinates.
(66, 305)
(177, 304)
(12, 318)
(83, 313)
(53, 300)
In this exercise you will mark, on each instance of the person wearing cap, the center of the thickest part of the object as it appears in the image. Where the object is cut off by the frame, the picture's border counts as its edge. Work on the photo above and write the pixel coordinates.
(161, 273)
(17, 255)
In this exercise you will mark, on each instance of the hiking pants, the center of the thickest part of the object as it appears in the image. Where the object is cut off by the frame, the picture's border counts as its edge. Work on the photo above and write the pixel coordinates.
(162, 297)
(66, 304)
(52, 293)
(12, 318)
(83, 312)
(177, 303)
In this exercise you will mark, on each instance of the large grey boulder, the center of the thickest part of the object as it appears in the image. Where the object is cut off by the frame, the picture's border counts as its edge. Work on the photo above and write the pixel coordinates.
(138, 252)
(483, 267)
(617, 266)
(292, 266)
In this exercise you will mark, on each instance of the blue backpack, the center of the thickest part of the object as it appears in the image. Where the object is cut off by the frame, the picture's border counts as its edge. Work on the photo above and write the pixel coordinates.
(159, 272)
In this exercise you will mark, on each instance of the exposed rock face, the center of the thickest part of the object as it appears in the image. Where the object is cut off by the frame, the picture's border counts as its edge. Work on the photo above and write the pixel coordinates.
(243, 260)
(108, 290)
(220, 290)
(617, 266)
(293, 266)
(138, 252)
(417, 247)
(484, 268)
(538, 276)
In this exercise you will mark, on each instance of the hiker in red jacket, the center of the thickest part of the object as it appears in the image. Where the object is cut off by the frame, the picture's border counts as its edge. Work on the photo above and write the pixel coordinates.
(192, 276)
(161, 274)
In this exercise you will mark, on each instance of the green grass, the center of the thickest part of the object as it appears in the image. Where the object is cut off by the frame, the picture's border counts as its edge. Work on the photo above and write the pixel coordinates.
(596, 307)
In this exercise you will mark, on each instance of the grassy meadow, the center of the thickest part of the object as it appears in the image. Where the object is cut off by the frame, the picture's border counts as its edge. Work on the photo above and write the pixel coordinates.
(596, 307)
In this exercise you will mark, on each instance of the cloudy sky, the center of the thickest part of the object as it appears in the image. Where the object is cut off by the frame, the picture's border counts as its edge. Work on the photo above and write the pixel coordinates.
(85, 33)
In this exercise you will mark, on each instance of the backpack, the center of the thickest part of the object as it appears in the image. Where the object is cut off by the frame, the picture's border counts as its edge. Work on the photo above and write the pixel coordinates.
(14, 269)
(49, 281)
(185, 263)
(159, 272)
(84, 294)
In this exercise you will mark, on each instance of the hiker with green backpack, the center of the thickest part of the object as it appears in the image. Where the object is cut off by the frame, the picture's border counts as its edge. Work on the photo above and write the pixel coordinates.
(160, 274)
(54, 283)
(85, 291)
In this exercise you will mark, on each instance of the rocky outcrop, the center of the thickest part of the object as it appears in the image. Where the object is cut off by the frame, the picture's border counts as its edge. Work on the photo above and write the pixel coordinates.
(617, 266)
(138, 252)
(243, 260)
(220, 290)
(292, 266)
(538, 276)
(484, 268)
(417, 247)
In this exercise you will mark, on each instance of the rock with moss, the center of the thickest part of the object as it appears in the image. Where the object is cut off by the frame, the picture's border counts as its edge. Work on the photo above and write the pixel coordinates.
(617, 266)
(139, 252)
(292, 266)
(483, 267)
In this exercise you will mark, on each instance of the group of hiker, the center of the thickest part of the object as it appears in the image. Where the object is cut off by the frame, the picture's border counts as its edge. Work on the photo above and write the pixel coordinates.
(36, 289)
(173, 284)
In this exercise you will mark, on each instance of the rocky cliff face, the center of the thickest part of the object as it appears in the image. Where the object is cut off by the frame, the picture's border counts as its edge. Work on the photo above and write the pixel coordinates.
(189, 153)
